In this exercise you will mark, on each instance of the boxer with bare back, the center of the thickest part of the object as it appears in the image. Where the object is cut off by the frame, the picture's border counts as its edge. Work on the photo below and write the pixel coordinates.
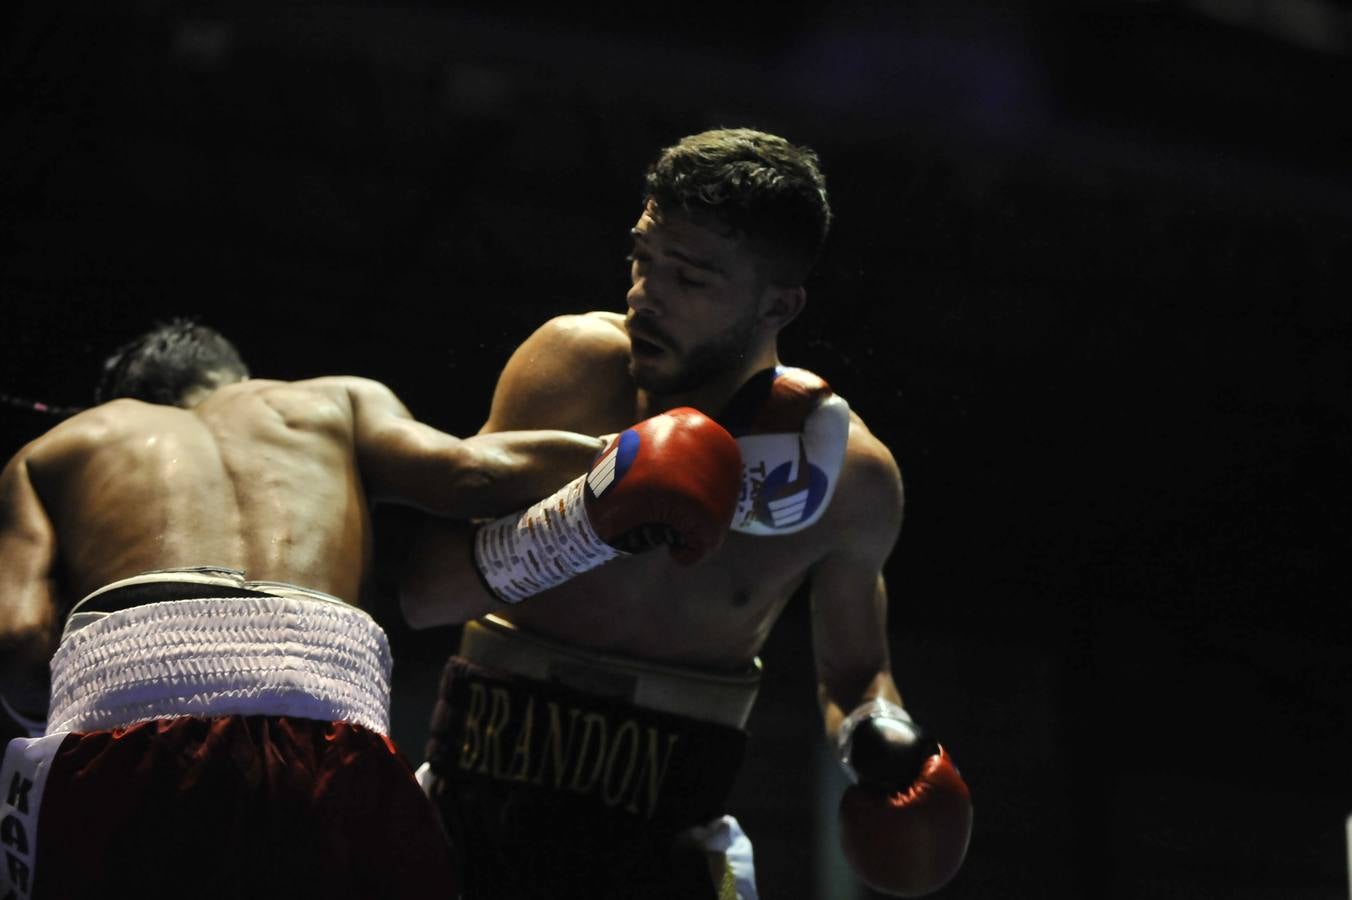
(190, 556)
(590, 725)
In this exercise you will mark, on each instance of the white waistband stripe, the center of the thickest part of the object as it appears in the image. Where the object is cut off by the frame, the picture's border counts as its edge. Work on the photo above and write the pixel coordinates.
(223, 656)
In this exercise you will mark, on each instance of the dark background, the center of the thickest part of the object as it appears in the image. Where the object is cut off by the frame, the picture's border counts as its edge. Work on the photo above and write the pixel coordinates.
(1088, 281)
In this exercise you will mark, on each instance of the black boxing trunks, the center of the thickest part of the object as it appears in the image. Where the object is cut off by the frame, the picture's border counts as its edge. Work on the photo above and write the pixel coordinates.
(560, 772)
(229, 743)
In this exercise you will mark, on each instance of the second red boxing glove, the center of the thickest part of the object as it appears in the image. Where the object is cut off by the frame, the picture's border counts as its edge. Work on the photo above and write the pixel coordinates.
(906, 824)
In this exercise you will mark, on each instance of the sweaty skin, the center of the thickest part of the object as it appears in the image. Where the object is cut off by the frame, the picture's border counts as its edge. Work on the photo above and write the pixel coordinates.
(702, 318)
(272, 478)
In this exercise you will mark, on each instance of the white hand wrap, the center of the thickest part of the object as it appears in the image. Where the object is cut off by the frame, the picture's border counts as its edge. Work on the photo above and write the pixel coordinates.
(877, 708)
(525, 553)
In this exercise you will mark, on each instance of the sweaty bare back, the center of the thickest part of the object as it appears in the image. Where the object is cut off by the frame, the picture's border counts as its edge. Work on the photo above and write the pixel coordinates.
(260, 476)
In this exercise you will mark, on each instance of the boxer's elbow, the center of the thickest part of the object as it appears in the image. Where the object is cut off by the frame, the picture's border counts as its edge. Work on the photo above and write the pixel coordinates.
(426, 588)
(25, 676)
(425, 607)
(438, 585)
(413, 464)
(501, 473)
(423, 603)
(470, 480)
(412, 606)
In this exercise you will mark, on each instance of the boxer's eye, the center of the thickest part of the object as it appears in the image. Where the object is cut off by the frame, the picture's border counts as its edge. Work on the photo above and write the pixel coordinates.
(683, 278)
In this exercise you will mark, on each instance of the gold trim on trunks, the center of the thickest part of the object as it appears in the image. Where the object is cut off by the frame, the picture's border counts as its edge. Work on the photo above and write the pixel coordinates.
(723, 698)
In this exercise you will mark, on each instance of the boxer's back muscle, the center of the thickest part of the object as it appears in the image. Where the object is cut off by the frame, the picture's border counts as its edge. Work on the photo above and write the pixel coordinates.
(260, 477)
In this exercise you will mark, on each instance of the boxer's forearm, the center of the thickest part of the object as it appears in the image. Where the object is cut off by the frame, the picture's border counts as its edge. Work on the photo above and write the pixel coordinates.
(840, 696)
(467, 478)
(508, 470)
(849, 633)
(669, 481)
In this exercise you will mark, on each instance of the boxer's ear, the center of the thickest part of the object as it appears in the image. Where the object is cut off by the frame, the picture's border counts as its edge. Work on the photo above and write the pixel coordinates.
(780, 305)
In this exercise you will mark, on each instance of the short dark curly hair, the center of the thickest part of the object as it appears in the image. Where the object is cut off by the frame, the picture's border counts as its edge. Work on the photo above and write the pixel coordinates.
(754, 182)
(166, 363)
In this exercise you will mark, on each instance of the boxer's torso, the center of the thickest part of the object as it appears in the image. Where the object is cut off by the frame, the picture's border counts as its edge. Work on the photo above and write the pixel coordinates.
(715, 613)
(260, 476)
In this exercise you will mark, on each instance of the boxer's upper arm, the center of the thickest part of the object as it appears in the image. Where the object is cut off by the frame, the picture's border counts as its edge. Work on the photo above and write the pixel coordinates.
(553, 378)
(849, 595)
(383, 438)
(407, 461)
(28, 613)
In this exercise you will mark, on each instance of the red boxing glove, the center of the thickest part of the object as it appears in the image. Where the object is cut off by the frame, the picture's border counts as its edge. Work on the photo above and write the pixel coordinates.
(792, 431)
(671, 479)
(676, 472)
(905, 831)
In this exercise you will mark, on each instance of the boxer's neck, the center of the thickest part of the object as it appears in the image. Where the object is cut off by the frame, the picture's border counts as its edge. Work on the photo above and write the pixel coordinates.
(711, 395)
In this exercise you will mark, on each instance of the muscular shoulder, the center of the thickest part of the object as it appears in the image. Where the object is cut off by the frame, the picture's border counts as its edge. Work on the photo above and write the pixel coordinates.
(571, 373)
(564, 342)
(102, 426)
(110, 433)
(869, 497)
(325, 403)
(346, 389)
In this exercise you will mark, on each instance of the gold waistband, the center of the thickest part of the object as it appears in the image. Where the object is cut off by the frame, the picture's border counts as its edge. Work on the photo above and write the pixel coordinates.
(723, 698)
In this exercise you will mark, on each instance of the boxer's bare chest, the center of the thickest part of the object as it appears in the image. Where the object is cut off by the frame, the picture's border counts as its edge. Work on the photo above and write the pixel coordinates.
(716, 612)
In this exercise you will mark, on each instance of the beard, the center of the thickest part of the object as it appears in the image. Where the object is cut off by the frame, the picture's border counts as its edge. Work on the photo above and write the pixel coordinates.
(700, 364)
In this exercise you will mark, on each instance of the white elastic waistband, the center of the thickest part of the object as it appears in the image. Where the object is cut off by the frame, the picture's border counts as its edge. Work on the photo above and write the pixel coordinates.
(281, 656)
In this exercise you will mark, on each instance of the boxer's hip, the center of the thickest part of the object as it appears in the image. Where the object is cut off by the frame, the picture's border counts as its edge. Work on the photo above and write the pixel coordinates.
(718, 697)
(565, 731)
(560, 772)
(206, 643)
